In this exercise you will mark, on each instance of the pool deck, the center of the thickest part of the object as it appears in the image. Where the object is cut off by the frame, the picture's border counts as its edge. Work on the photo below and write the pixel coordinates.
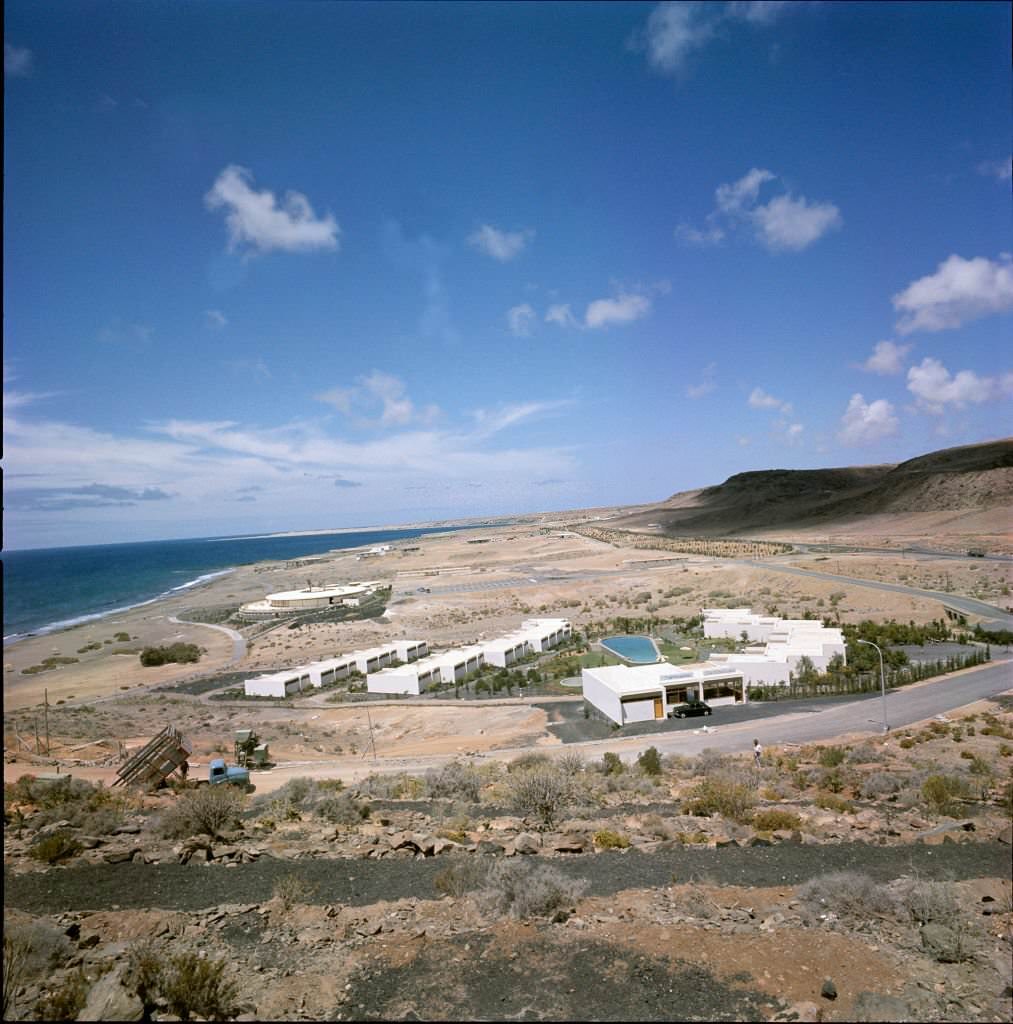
(628, 660)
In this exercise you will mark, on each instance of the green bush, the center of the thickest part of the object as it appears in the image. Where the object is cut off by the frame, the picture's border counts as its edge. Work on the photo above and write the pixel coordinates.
(55, 848)
(607, 839)
(612, 764)
(941, 793)
(829, 802)
(175, 653)
(650, 761)
(831, 757)
(343, 809)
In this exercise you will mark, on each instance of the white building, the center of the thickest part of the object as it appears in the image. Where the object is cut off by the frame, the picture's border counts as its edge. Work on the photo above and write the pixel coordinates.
(784, 643)
(292, 602)
(644, 693)
(323, 673)
(533, 637)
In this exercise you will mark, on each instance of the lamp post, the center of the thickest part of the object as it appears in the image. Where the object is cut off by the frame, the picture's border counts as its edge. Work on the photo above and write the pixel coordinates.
(882, 679)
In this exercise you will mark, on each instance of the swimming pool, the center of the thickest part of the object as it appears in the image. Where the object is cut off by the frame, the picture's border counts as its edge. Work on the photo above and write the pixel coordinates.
(639, 650)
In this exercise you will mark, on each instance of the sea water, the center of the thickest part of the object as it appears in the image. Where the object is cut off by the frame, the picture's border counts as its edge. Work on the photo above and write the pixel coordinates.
(52, 588)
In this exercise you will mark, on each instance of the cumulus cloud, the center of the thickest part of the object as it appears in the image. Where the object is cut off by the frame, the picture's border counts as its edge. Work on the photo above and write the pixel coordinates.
(623, 309)
(789, 223)
(706, 385)
(759, 399)
(785, 222)
(675, 30)
(865, 422)
(60, 499)
(887, 358)
(734, 196)
(18, 61)
(379, 400)
(959, 291)
(1001, 170)
(500, 245)
(520, 319)
(934, 387)
(561, 314)
(257, 222)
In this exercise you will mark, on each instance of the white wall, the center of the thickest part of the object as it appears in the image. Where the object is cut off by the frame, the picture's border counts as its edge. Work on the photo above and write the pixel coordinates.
(392, 680)
(601, 696)
(638, 710)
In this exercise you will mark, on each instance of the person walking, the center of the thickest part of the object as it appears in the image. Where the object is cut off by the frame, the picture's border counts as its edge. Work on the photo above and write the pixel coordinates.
(757, 752)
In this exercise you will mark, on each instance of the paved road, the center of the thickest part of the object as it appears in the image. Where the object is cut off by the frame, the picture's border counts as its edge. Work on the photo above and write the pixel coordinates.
(238, 641)
(851, 549)
(1000, 618)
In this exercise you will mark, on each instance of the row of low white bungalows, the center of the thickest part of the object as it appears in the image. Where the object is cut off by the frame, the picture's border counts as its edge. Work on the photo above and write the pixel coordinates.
(781, 655)
(733, 622)
(323, 673)
(411, 680)
(644, 693)
(533, 637)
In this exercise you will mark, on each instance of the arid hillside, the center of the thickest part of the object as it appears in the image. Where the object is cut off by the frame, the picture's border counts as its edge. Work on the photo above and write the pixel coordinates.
(967, 479)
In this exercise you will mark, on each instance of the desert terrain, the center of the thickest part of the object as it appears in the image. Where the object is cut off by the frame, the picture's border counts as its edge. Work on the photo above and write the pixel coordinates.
(392, 862)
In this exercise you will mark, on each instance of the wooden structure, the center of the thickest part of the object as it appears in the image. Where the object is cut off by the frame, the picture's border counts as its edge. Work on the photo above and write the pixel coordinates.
(155, 761)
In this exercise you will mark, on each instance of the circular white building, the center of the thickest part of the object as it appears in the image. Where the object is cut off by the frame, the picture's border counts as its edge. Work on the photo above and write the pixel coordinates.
(291, 602)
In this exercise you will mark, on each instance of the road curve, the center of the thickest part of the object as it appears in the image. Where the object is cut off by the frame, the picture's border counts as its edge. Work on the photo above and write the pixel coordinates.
(238, 641)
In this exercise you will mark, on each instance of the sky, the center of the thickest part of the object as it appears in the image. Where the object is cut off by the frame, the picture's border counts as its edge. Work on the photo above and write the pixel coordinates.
(289, 266)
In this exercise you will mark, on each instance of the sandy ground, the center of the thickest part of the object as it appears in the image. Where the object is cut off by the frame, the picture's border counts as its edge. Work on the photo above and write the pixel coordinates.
(120, 710)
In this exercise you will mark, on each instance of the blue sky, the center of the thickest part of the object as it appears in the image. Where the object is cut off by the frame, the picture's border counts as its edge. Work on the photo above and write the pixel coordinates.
(273, 266)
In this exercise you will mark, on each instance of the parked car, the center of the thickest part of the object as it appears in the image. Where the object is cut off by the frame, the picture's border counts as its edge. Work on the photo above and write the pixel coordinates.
(691, 707)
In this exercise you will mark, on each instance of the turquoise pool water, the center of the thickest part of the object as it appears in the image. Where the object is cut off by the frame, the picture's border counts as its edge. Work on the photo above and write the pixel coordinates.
(637, 649)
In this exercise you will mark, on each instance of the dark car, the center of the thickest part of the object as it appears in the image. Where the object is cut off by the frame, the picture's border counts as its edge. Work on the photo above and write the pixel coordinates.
(691, 707)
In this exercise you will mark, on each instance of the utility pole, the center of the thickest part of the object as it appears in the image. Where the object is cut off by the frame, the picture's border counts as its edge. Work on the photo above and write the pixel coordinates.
(35, 719)
(372, 741)
(45, 694)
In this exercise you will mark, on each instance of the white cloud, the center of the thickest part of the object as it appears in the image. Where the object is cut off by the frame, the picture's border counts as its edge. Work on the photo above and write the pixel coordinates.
(789, 223)
(379, 400)
(673, 31)
(521, 318)
(887, 358)
(934, 387)
(216, 318)
(18, 61)
(711, 235)
(759, 399)
(864, 422)
(785, 222)
(561, 314)
(794, 431)
(759, 12)
(731, 198)
(491, 421)
(127, 334)
(706, 385)
(500, 245)
(621, 310)
(1001, 170)
(959, 291)
(256, 220)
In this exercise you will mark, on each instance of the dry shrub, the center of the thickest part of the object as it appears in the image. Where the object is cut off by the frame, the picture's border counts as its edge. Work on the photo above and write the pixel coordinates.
(773, 819)
(852, 896)
(16, 954)
(710, 762)
(343, 809)
(608, 839)
(208, 810)
(65, 1001)
(54, 848)
(924, 902)
(456, 780)
(694, 901)
(192, 986)
(542, 792)
(463, 874)
(525, 889)
(723, 795)
(880, 784)
(292, 889)
(942, 793)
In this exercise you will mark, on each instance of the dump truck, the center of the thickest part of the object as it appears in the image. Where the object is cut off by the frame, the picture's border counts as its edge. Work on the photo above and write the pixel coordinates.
(219, 772)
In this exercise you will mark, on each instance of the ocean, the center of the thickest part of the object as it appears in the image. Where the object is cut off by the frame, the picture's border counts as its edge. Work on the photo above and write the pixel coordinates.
(52, 588)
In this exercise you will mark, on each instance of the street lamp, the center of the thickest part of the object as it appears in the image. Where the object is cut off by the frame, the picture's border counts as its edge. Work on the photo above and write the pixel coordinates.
(882, 679)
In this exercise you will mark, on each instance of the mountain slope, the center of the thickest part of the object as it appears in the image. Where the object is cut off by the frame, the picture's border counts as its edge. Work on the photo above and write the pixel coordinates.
(970, 477)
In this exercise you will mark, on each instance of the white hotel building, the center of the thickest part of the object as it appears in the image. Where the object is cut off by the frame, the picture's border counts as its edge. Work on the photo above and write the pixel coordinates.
(533, 637)
(644, 692)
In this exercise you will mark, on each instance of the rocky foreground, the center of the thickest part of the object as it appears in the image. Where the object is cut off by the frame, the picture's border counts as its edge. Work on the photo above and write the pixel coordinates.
(870, 882)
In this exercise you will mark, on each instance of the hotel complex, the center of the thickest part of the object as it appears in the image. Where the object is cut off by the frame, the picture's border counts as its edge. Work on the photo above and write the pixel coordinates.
(292, 602)
(406, 668)
(628, 694)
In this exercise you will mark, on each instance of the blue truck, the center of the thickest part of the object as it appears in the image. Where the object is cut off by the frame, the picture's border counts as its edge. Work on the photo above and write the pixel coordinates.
(219, 773)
